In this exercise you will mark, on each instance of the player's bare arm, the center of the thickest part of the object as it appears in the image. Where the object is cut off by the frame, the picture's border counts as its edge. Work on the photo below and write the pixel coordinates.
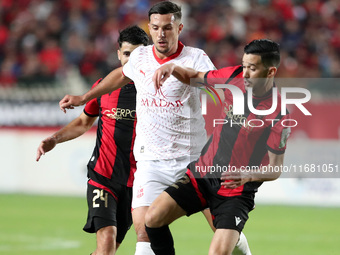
(111, 82)
(184, 74)
(74, 129)
(234, 179)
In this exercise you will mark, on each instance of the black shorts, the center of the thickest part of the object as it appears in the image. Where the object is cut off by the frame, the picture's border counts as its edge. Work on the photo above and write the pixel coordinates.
(193, 196)
(108, 205)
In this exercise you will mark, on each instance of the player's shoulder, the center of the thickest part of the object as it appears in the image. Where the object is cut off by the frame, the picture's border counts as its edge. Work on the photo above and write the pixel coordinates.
(140, 53)
(192, 51)
(140, 50)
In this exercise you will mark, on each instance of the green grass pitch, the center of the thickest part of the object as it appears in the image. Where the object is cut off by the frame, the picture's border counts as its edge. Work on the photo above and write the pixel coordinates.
(53, 225)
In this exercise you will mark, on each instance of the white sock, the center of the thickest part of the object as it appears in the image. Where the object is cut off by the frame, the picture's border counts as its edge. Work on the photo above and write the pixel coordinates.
(143, 248)
(242, 247)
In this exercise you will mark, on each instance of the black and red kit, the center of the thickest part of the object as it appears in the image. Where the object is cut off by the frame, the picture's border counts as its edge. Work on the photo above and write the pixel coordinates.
(112, 158)
(112, 165)
(240, 141)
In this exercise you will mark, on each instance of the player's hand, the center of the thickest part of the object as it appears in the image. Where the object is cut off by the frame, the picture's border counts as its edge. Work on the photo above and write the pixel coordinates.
(45, 146)
(69, 102)
(234, 179)
(162, 74)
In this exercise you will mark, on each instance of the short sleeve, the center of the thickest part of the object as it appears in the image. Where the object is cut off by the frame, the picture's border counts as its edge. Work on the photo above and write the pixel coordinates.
(277, 140)
(225, 75)
(203, 62)
(92, 107)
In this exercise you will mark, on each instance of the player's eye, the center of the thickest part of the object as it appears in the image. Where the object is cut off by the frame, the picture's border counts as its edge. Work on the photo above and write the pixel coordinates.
(127, 54)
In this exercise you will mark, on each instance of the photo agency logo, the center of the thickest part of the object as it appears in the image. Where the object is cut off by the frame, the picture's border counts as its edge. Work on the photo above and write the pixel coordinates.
(236, 111)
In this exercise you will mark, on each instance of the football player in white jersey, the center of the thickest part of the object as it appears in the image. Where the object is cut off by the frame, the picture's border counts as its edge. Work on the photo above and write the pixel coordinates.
(170, 128)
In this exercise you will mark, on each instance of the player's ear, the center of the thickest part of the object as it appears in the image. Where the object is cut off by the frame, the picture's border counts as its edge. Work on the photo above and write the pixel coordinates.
(180, 28)
(118, 54)
(149, 27)
(271, 72)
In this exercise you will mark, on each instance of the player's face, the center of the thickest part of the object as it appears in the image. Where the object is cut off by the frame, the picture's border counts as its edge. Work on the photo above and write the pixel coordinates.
(256, 75)
(125, 51)
(164, 31)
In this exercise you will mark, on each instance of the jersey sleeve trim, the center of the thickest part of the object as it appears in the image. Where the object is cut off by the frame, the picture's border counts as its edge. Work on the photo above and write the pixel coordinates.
(206, 75)
(224, 75)
(90, 115)
(277, 152)
(235, 74)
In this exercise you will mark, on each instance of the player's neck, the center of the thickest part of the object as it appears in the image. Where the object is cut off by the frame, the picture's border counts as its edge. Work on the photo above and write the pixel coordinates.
(170, 55)
(167, 54)
(264, 90)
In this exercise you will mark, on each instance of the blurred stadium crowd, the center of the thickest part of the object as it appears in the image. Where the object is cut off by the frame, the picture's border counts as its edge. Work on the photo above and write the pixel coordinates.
(49, 48)
(40, 40)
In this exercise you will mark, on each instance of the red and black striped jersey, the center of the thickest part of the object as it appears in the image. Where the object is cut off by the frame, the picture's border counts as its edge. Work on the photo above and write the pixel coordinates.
(113, 157)
(243, 140)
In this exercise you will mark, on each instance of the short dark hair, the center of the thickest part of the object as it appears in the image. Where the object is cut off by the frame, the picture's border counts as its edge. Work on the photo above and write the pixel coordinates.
(134, 35)
(166, 7)
(267, 49)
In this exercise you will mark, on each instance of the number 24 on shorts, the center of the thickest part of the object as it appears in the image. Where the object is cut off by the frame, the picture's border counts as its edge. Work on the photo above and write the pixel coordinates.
(102, 195)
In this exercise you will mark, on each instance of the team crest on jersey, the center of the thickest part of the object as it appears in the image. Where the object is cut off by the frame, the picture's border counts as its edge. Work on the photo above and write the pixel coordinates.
(237, 119)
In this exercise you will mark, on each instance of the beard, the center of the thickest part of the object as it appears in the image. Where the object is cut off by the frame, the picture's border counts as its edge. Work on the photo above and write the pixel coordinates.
(163, 51)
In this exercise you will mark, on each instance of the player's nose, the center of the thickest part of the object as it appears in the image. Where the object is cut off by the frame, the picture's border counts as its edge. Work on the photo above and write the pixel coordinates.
(161, 33)
(245, 73)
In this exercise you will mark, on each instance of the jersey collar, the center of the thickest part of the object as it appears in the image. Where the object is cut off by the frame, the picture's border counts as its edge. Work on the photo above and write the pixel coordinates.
(173, 56)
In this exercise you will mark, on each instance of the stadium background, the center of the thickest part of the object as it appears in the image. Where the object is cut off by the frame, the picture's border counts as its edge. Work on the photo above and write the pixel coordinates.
(50, 48)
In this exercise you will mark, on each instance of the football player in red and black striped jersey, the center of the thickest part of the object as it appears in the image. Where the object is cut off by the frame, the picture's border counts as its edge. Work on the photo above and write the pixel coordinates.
(112, 165)
(244, 151)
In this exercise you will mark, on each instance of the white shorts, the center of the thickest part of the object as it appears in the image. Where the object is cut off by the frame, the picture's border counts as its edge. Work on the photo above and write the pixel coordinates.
(154, 176)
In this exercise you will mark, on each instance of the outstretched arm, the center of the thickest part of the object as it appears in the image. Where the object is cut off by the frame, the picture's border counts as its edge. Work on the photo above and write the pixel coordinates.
(74, 129)
(234, 179)
(111, 82)
(184, 74)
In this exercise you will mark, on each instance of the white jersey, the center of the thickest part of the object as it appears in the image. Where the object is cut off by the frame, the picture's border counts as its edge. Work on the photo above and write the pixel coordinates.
(169, 122)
